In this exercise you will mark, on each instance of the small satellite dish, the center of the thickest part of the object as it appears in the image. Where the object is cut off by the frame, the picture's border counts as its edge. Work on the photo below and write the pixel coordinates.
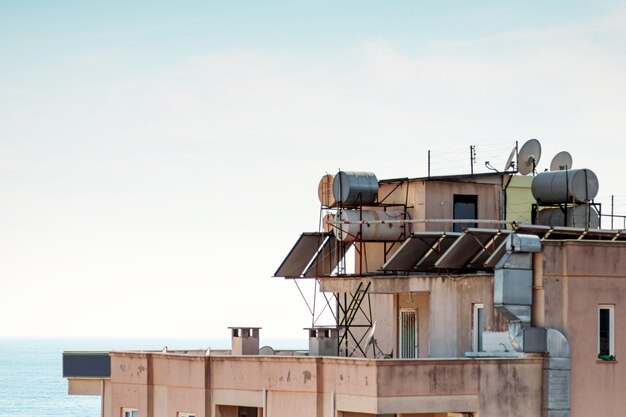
(529, 156)
(371, 341)
(370, 335)
(266, 351)
(561, 161)
(509, 162)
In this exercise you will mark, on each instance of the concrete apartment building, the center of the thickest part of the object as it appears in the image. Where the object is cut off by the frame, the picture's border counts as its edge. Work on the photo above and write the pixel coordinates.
(484, 295)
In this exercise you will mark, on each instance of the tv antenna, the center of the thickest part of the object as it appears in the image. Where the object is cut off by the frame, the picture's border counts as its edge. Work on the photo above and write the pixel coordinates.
(371, 341)
(528, 157)
(510, 162)
(561, 161)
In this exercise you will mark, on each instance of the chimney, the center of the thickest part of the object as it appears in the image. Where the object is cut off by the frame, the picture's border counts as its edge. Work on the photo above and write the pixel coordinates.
(245, 340)
(323, 341)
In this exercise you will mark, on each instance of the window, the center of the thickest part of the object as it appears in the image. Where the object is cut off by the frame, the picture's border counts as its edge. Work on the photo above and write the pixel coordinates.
(478, 327)
(408, 333)
(247, 412)
(186, 414)
(606, 336)
(129, 412)
(464, 208)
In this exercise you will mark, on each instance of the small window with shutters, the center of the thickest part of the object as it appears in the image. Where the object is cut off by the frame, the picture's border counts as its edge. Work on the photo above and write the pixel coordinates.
(408, 333)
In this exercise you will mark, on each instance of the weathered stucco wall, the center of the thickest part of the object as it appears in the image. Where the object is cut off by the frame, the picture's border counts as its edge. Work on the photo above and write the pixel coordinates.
(421, 303)
(129, 383)
(577, 278)
(445, 317)
(440, 198)
(409, 192)
(160, 384)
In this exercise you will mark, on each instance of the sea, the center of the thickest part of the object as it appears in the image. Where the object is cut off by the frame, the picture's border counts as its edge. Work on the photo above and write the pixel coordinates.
(31, 382)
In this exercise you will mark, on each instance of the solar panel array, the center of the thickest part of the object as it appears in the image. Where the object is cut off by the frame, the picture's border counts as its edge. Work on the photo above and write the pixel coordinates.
(319, 254)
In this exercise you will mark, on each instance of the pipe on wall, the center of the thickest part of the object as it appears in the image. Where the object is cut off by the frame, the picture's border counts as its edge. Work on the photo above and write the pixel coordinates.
(520, 303)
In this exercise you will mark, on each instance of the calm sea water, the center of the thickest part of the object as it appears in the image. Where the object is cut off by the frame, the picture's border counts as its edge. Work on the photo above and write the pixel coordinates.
(31, 384)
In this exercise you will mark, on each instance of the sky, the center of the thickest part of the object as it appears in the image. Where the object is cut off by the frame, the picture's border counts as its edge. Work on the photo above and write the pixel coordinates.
(158, 160)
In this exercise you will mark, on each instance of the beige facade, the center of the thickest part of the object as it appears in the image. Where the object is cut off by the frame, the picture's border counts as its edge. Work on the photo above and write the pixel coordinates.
(464, 363)
(164, 384)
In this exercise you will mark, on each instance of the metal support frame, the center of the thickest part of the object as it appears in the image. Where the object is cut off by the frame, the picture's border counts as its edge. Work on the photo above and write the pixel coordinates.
(348, 311)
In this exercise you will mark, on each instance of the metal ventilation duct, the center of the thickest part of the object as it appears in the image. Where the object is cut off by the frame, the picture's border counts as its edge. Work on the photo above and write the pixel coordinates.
(513, 298)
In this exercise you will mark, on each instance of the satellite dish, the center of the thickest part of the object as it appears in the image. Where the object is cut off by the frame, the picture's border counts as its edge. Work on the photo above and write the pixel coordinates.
(371, 341)
(370, 335)
(562, 160)
(509, 162)
(528, 156)
(266, 351)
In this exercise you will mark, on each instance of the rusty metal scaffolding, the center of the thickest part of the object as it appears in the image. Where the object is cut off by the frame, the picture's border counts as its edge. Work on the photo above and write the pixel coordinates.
(352, 310)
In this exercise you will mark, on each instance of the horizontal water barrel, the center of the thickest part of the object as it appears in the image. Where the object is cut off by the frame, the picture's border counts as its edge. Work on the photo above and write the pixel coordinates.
(578, 185)
(353, 188)
(388, 232)
(325, 191)
(582, 216)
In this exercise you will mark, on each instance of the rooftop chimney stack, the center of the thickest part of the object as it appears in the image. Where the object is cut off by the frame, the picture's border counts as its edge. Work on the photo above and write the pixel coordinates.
(245, 340)
(323, 341)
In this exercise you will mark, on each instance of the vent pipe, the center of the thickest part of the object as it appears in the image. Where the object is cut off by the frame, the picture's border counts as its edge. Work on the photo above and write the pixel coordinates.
(512, 296)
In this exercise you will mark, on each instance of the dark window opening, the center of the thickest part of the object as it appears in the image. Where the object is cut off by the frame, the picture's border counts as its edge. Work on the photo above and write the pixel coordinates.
(247, 412)
(465, 207)
(604, 328)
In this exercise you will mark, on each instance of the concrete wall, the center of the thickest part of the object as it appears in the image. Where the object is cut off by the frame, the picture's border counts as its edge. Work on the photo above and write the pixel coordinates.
(178, 385)
(159, 384)
(433, 199)
(439, 198)
(406, 192)
(421, 303)
(445, 307)
(577, 277)
(130, 385)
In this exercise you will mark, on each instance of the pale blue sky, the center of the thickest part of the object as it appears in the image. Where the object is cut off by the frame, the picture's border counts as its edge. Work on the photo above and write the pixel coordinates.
(159, 159)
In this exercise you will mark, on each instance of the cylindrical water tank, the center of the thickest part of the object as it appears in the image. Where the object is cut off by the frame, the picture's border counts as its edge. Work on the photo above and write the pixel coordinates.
(578, 185)
(582, 216)
(354, 188)
(325, 191)
(370, 232)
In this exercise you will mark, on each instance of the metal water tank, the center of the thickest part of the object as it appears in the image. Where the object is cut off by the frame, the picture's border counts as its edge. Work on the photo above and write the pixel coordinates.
(370, 232)
(325, 191)
(578, 185)
(582, 216)
(353, 188)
